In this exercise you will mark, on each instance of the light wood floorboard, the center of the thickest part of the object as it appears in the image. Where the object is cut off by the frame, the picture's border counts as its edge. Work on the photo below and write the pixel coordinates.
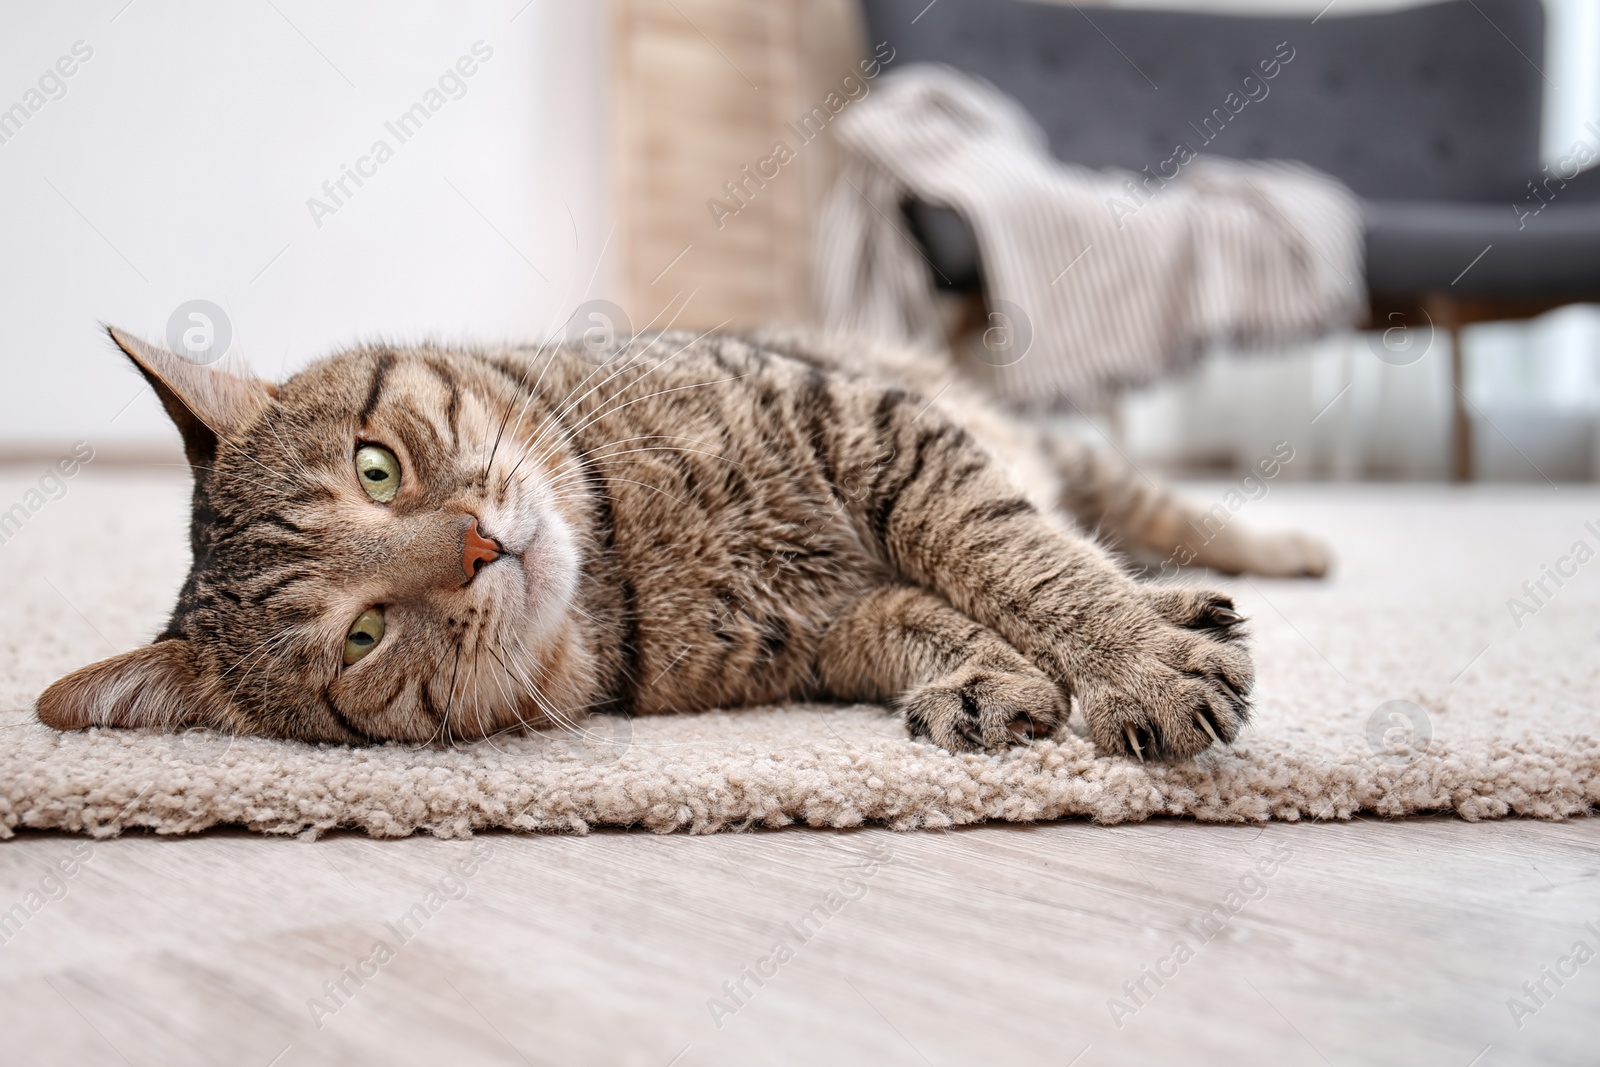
(1372, 943)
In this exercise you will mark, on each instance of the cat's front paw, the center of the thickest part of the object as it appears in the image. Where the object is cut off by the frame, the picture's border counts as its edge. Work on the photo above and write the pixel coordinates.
(1178, 683)
(981, 709)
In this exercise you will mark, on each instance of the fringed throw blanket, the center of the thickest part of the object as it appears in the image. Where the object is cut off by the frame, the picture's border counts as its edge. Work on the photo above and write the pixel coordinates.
(1094, 279)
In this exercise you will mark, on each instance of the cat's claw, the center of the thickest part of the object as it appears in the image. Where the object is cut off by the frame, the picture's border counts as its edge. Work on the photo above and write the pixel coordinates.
(983, 709)
(1133, 742)
(1205, 724)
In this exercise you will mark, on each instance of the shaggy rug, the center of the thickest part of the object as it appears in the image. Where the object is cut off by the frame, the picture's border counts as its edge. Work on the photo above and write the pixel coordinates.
(1405, 683)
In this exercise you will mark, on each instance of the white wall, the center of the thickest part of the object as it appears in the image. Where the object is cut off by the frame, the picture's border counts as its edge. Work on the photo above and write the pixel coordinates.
(179, 162)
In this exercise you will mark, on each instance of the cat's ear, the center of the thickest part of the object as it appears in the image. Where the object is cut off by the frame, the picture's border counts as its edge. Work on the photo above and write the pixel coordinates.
(204, 403)
(150, 686)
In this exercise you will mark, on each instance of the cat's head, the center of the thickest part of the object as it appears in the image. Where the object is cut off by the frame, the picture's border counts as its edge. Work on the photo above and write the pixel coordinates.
(383, 549)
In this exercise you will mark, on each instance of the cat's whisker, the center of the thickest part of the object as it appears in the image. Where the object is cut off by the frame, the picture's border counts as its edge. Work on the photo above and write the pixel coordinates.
(511, 699)
(568, 468)
(629, 440)
(437, 735)
(604, 412)
(477, 712)
(494, 689)
(260, 653)
(475, 673)
(568, 403)
(598, 622)
(548, 428)
(559, 718)
(287, 452)
(653, 488)
(263, 648)
(527, 401)
(561, 407)
(575, 490)
(687, 300)
(507, 695)
(551, 344)
(270, 639)
(566, 724)
(258, 483)
(247, 454)
(566, 406)
(442, 733)
(531, 393)
(627, 349)
(638, 400)
(573, 465)
(450, 702)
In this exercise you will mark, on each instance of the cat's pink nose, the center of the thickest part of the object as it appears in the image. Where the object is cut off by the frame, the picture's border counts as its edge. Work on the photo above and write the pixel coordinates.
(477, 550)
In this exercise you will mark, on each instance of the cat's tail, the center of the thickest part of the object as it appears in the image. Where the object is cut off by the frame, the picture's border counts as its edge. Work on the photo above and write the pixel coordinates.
(1149, 522)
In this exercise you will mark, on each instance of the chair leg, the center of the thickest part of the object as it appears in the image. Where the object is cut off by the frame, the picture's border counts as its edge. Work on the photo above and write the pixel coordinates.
(1445, 314)
(1461, 464)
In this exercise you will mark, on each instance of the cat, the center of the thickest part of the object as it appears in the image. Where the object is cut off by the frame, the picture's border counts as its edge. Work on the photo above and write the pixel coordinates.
(438, 544)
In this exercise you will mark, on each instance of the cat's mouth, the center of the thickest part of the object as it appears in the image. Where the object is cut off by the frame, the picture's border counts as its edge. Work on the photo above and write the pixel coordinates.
(529, 538)
(550, 565)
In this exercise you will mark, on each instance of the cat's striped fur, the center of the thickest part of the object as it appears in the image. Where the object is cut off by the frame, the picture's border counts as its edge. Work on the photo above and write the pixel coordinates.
(683, 522)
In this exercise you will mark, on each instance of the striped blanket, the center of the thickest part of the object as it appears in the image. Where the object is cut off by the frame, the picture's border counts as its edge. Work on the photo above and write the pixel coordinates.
(1094, 279)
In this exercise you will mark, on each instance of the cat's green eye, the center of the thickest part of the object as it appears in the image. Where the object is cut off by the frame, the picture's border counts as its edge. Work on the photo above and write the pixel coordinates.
(364, 635)
(379, 472)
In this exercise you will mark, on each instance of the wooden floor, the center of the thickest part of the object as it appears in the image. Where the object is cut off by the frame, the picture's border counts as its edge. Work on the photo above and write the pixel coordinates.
(1359, 943)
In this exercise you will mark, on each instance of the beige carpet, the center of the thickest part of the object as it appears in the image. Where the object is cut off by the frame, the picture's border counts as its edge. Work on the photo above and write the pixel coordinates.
(1499, 720)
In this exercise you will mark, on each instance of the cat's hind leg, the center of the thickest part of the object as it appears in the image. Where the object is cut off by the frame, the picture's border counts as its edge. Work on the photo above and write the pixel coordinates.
(954, 681)
(1149, 521)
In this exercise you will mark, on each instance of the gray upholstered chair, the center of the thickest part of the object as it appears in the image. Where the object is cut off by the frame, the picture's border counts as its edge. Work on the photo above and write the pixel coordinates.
(1430, 114)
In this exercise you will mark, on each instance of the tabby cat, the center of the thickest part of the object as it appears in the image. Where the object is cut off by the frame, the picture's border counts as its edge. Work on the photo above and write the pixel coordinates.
(431, 543)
